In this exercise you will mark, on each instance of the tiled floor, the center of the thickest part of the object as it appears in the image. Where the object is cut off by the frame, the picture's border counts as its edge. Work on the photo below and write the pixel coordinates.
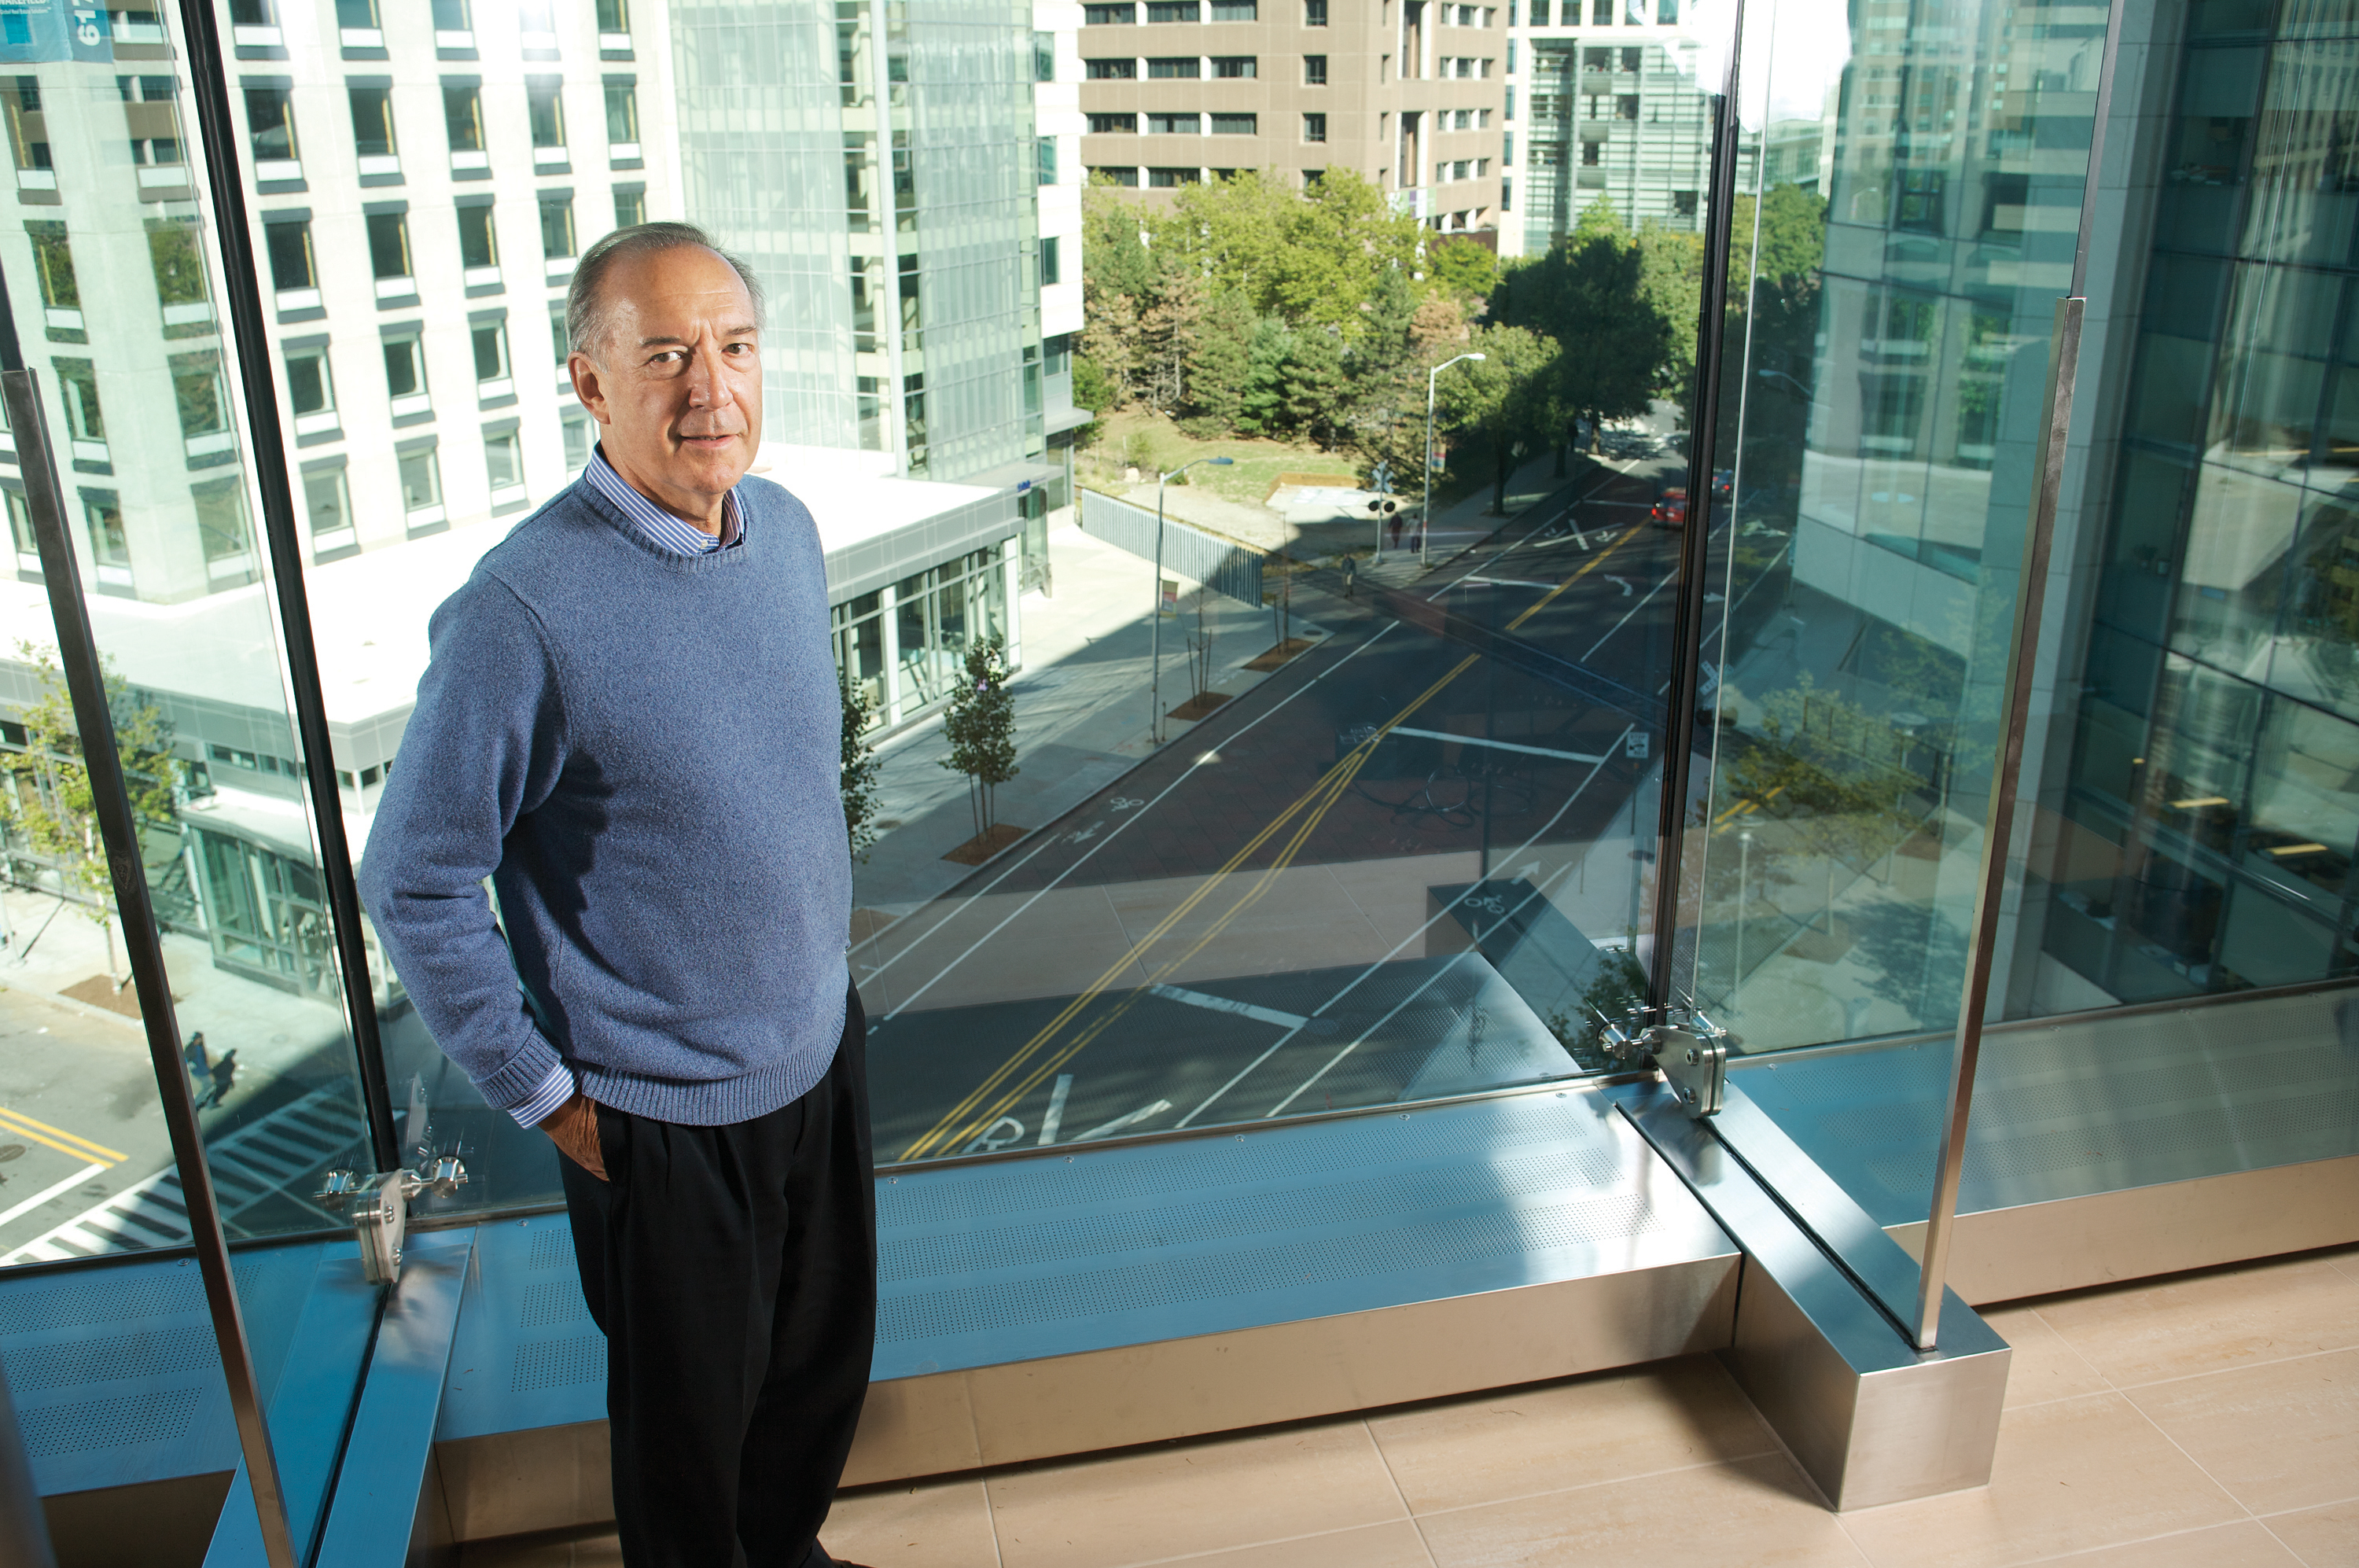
(2209, 1420)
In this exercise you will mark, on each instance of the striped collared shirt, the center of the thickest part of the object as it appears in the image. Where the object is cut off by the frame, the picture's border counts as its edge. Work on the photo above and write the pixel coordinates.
(654, 524)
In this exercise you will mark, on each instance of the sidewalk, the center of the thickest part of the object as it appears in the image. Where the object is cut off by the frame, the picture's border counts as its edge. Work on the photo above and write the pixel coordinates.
(1081, 715)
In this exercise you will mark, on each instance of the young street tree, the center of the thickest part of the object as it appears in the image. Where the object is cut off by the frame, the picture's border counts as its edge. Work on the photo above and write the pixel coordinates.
(50, 799)
(981, 725)
(860, 769)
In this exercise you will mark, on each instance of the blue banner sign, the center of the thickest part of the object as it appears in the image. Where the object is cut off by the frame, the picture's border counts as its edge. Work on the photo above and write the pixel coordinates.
(36, 30)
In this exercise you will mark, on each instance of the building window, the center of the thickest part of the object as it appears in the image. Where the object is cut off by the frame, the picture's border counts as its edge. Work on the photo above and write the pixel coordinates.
(110, 546)
(1052, 267)
(462, 118)
(1625, 106)
(1120, 15)
(421, 486)
(577, 439)
(1174, 124)
(221, 526)
(1683, 203)
(504, 465)
(1044, 57)
(454, 16)
(1314, 70)
(630, 206)
(1236, 125)
(53, 265)
(614, 16)
(292, 266)
(1236, 11)
(1175, 68)
(478, 246)
(545, 106)
(1235, 67)
(310, 391)
(328, 510)
(373, 121)
(557, 226)
(1126, 177)
(78, 386)
(1174, 11)
(270, 120)
(1506, 194)
(1111, 69)
(388, 243)
(405, 374)
(1044, 160)
(557, 338)
(491, 343)
(1592, 154)
(1172, 179)
(1113, 124)
(622, 113)
(1314, 128)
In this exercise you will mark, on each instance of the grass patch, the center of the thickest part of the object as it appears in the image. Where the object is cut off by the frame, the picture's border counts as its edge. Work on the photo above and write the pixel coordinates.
(1156, 445)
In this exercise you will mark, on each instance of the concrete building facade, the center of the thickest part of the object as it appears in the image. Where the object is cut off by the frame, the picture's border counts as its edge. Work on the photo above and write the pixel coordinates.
(1409, 93)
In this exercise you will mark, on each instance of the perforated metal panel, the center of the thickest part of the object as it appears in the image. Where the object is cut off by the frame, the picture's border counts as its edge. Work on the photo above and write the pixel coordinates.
(116, 1357)
(557, 1301)
(108, 1424)
(559, 1362)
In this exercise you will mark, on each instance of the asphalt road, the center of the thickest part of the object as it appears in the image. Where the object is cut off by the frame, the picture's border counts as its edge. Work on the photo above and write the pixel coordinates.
(1397, 737)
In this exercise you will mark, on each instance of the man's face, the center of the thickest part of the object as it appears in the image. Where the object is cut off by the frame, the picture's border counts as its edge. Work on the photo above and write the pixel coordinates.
(678, 382)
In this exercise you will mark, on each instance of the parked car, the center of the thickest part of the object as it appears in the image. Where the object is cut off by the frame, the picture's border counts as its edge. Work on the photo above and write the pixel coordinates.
(1723, 482)
(1671, 511)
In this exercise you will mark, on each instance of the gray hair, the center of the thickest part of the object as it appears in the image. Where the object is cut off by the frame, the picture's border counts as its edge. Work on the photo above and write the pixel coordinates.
(589, 319)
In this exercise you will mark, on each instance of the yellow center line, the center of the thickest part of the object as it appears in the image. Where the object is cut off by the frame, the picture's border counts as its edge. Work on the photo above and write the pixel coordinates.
(1331, 787)
(64, 1142)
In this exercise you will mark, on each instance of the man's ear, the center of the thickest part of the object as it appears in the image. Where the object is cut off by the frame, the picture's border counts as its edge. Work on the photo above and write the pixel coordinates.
(589, 384)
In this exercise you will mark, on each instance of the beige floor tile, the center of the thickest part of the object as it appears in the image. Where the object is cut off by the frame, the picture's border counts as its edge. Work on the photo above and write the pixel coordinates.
(2241, 1545)
(1554, 1436)
(1396, 1545)
(2202, 1322)
(2071, 1476)
(944, 1525)
(2282, 1435)
(598, 1551)
(1756, 1512)
(1191, 1497)
(2322, 1538)
(2045, 1367)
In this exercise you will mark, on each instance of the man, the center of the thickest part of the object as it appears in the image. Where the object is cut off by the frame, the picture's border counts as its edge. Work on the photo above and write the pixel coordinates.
(630, 724)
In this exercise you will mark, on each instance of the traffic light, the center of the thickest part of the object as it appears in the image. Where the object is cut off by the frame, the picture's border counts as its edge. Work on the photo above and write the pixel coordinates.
(1384, 505)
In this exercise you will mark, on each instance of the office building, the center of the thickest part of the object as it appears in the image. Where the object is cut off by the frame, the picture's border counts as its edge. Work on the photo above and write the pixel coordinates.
(1407, 94)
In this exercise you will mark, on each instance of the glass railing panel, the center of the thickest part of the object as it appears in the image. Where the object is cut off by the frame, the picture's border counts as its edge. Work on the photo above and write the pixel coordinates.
(1895, 294)
(118, 311)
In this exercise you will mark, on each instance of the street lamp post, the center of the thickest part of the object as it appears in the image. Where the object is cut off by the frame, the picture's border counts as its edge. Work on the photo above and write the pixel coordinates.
(1155, 626)
(1425, 518)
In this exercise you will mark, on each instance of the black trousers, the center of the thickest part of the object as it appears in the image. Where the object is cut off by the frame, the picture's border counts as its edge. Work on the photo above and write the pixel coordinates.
(734, 1271)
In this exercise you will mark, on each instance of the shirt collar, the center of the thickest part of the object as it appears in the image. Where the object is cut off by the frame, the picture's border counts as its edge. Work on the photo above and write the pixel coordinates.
(657, 527)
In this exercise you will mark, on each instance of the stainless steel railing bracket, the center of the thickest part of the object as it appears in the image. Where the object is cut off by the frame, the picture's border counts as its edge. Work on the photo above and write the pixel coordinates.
(1687, 1047)
(379, 1203)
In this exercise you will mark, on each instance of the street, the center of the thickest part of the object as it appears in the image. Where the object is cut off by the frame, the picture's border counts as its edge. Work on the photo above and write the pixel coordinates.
(1260, 919)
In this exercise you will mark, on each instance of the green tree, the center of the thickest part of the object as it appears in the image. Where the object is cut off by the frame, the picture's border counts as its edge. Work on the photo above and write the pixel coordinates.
(981, 726)
(859, 768)
(1316, 385)
(1261, 407)
(1588, 293)
(1507, 395)
(50, 800)
(1220, 365)
(1464, 269)
(1670, 280)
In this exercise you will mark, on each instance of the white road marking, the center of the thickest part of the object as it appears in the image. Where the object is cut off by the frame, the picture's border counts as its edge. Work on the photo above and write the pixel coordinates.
(1056, 1117)
(1498, 744)
(1625, 616)
(1227, 1005)
(45, 1193)
(1415, 936)
(1133, 1120)
(1122, 828)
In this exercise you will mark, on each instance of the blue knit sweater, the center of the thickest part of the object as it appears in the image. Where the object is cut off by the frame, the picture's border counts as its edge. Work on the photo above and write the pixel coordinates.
(641, 751)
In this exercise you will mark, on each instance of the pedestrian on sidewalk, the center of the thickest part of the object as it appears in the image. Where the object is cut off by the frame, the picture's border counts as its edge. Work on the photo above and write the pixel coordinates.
(224, 1077)
(630, 723)
(1351, 577)
(200, 1066)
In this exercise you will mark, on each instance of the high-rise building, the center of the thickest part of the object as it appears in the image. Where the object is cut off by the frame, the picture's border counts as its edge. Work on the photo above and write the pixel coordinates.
(1603, 104)
(1407, 94)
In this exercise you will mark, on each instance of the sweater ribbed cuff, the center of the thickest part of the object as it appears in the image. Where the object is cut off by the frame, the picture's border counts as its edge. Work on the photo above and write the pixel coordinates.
(547, 1097)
